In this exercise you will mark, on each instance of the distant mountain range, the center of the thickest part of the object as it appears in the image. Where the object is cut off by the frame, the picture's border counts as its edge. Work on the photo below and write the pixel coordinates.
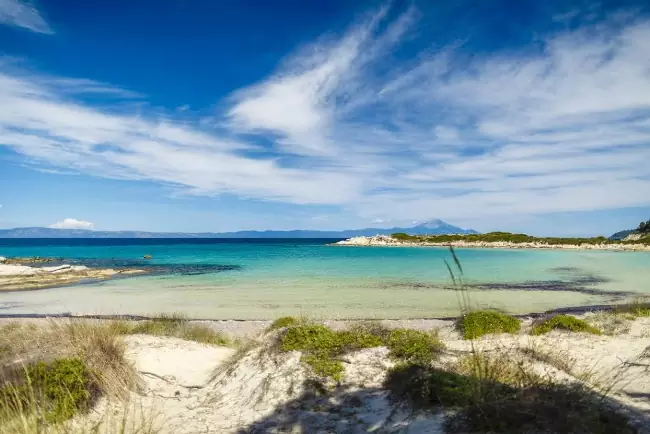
(430, 227)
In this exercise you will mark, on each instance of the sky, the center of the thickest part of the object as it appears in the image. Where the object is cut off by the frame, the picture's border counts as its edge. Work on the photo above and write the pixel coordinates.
(169, 115)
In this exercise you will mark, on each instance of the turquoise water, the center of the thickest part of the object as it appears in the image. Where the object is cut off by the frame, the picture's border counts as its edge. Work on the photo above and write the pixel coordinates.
(262, 279)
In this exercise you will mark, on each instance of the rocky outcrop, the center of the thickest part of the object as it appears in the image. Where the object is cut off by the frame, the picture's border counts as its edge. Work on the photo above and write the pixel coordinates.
(383, 240)
(23, 277)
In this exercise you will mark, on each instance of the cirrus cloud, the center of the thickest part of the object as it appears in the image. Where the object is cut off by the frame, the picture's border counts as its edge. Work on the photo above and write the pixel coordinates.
(562, 128)
(23, 14)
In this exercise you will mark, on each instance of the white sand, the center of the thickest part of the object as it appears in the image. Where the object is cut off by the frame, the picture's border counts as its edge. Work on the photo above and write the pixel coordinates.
(196, 388)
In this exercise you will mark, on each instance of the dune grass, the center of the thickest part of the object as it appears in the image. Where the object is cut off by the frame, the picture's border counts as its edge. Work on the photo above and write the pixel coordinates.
(475, 324)
(563, 322)
(172, 325)
(51, 373)
(323, 347)
(635, 309)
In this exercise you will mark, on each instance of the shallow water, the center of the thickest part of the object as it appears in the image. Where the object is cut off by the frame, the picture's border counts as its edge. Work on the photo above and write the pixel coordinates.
(262, 279)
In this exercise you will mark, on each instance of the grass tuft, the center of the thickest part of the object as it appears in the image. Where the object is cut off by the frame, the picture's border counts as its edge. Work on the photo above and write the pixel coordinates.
(563, 322)
(173, 326)
(285, 321)
(479, 323)
(635, 309)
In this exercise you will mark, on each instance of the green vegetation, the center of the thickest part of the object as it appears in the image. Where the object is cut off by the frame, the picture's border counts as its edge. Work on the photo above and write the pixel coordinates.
(644, 227)
(542, 408)
(478, 323)
(283, 322)
(173, 326)
(62, 388)
(563, 322)
(634, 310)
(323, 347)
(413, 345)
(492, 237)
(424, 386)
(502, 395)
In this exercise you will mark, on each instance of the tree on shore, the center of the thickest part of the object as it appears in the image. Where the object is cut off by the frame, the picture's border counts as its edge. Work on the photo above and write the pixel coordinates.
(644, 227)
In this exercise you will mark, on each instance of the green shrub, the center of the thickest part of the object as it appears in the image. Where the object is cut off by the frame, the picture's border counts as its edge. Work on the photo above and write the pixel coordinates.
(476, 324)
(322, 347)
(563, 322)
(413, 345)
(404, 237)
(324, 366)
(310, 337)
(59, 389)
(424, 387)
(285, 321)
(543, 409)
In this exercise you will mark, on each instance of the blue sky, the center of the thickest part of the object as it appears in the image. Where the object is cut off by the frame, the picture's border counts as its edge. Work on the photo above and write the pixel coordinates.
(213, 116)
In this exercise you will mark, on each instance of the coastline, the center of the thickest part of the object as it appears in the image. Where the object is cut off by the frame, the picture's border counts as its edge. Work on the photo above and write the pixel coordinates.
(388, 241)
(571, 310)
(15, 277)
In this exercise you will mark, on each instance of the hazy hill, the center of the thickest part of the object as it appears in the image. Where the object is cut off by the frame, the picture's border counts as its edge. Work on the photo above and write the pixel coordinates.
(430, 227)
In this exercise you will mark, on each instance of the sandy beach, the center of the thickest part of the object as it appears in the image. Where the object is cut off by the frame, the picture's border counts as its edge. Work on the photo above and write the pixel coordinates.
(189, 387)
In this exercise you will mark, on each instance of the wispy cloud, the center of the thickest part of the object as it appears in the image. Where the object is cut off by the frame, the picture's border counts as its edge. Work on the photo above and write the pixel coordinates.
(23, 14)
(562, 128)
(72, 224)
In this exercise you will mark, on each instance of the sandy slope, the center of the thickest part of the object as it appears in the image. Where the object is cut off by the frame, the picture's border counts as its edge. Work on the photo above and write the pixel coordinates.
(196, 388)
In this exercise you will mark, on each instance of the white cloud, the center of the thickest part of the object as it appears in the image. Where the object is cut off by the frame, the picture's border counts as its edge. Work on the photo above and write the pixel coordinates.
(72, 224)
(566, 128)
(23, 14)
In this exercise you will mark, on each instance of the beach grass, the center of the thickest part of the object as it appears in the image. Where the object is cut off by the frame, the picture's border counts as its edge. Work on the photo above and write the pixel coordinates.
(51, 373)
(563, 322)
(172, 325)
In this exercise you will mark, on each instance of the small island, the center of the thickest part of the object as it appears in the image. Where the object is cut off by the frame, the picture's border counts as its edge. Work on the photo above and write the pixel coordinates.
(637, 240)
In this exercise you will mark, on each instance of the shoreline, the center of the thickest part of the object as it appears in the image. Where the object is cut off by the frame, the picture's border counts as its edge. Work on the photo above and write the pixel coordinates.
(571, 310)
(388, 241)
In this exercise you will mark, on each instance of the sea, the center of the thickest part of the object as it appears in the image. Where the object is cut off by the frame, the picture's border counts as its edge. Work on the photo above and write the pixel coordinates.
(259, 279)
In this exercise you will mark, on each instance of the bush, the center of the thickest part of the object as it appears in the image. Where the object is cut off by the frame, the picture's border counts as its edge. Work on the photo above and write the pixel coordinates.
(283, 322)
(324, 366)
(501, 403)
(309, 337)
(424, 387)
(547, 409)
(476, 324)
(60, 389)
(563, 322)
(322, 346)
(413, 345)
